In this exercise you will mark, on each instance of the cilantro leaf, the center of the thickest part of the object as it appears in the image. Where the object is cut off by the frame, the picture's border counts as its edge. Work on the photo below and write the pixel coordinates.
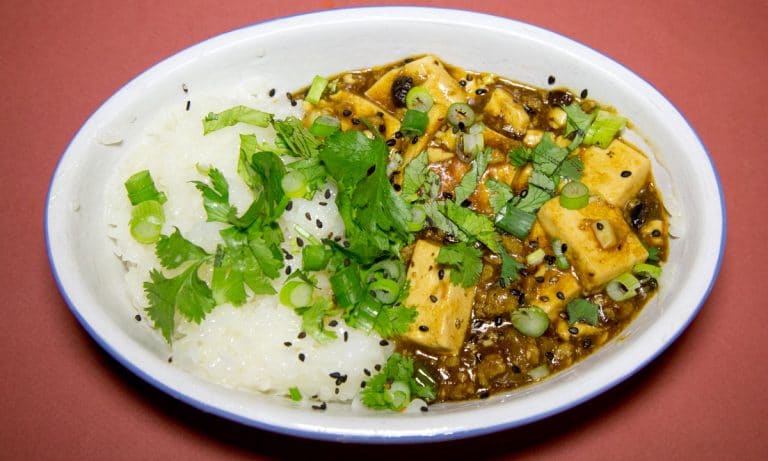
(415, 176)
(547, 155)
(394, 320)
(438, 220)
(238, 114)
(520, 155)
(398, 369)
(174, 250)
(542, 181)
(533, 200)
(185, 293)
(509, 267)
(349, 155)
(581, 310)
(216, 197)
(578, 121)
(313, 171)
(298, 141)
(269, 171)
(572, 168)
(471, 178)
(465, 261)
(500, 194)
(473, 225)
(312, 320)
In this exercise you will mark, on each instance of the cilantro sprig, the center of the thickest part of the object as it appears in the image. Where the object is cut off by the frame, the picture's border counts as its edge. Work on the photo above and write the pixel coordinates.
(395, 386)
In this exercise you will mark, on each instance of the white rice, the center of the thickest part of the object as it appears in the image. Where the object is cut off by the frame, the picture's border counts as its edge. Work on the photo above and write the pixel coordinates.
(252, 347)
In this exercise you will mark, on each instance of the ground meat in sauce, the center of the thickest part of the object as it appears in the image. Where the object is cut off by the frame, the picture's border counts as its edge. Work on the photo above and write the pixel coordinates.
(495, 356)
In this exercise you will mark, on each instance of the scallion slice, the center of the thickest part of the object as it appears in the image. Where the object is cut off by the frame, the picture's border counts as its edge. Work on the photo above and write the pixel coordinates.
(604, 128)
(418, 98)
(540, 372)
(414, 123)
(294, 184)
(296, 293)
(531, 321)
(418, 217)
(647, 270)
(316, 90)
(147, 219)
(623, 287)
(535, 258)
(560, 259)
(398, 394)
(325, 125)
(515, 221)
(347, 286)
(460, 115)
(141, 188)
(315, 257)
(388, 269)
(294, 393)
(385, 290)
(473, 143)
(575, 195)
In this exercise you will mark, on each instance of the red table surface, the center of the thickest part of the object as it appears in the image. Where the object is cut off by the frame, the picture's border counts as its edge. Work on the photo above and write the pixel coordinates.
(62, 397)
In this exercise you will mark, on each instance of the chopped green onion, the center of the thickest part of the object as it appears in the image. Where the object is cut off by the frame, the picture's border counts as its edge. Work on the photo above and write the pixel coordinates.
(575, 195)
(473, 143)
(294, 394)
(325, 125)
(581, 310)
(531, 321)
(363, 316)
(647, 270)
(315, 257)
(294, 184)
(604, 128)
(418, 217)
(418, 98)
(388, 269)
(316, 90)
(414, 123)
(296, 293)
(460, 115)
(141, 188)
(622, 287)
(398, 394)
(147, 219)
(515, 221)
(540, 372)
(535, 258)
(385, 290)
(561, 260)
(347, 286)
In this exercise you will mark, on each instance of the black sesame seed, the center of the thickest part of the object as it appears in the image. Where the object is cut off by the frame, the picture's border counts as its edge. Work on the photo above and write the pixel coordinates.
(346, 112)
(484, 395)
(584, 93)
(550, 355)
(327, 194)
(287, 344)
(461, 126)
(302, 335)
(656, 233)
(293, 103)
(469, 78)
(346, 244)
(272, 92)
(377, 367)
(415, 140)
(480, 91)
(322, 406)
(550, 259)
(383, 342)
(539, 279)
(424, 408)
(448, 195)
(599, 226)
(423, 328)
(626, 174)
(523, 193)
(380, 113)
(355, 121)
(299, 241)
(170, 359)
(319, 224)
(322, 203)
(188, 104)
(433, 298)
(544, 298)
(289, 205)
(333, 323)
(564, 247)
(371, 170)
(466, 203)
(560, 295)
(288, 270)
(441, 273)
(551, 79)
(334, 375)
(391, 142)
(363, 384)
(288, 256)
(184, 88)
(573, 330)
(516, 370)
(302, 357)
(336, 391)
(346, 336)
(382, 128)
(137, 317)
(367, 372)
(463, 82)
(498, 321)
(397, 187)
(308, 216)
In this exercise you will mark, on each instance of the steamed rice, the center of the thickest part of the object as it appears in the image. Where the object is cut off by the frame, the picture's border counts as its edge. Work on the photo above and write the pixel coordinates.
(255, 346)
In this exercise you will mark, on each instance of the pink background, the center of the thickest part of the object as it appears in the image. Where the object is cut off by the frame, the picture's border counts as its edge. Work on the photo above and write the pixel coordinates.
(62, 397)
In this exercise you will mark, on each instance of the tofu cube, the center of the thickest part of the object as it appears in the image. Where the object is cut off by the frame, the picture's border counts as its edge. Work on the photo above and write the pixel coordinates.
(443, 309)
(555, 292)
(363, 108)
(617, 173)
(504, 114)
(594, 265)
